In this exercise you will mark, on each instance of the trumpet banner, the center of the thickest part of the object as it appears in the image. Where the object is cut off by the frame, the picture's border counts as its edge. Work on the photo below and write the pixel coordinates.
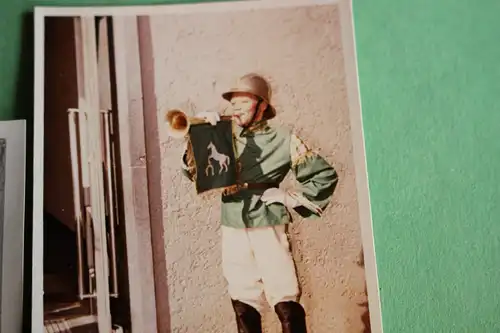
(214, 155)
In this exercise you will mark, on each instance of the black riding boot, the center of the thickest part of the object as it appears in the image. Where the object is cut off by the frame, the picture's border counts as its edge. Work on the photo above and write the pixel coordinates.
(292, 317)
(248, 318)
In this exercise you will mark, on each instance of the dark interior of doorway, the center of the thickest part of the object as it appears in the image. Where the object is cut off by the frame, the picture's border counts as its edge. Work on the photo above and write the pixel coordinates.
(61, 303)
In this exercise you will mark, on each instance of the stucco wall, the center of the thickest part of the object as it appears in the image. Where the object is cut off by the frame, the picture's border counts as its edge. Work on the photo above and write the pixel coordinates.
(300, 50)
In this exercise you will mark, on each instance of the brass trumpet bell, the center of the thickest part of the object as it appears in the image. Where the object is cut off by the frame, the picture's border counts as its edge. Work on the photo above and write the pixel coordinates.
(177, 123)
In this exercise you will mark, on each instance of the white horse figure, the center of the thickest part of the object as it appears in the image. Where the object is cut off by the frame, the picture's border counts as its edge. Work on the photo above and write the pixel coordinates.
(221, 158)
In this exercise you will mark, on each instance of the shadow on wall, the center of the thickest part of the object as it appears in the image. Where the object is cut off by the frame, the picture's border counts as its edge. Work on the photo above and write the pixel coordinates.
(365, 317)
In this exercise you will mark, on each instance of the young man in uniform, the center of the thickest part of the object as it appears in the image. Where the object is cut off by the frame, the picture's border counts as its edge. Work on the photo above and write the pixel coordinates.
(256, 258)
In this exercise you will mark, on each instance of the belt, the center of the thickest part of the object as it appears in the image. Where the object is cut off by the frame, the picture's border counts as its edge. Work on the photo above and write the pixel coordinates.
(249, 186)
(260, 186)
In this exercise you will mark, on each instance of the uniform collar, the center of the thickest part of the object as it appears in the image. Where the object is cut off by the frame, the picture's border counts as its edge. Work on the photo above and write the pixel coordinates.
(257, 127)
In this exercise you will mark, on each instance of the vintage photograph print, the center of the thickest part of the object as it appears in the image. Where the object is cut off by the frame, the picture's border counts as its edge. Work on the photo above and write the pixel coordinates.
(203, 170)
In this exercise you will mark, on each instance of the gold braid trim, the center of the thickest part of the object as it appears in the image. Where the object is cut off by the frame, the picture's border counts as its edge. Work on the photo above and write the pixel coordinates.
(233, 189)
(303, 158)
(190, 160)
(299, 151)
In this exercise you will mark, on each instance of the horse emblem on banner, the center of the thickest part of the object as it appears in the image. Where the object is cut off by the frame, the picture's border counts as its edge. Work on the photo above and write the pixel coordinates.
(222, 159)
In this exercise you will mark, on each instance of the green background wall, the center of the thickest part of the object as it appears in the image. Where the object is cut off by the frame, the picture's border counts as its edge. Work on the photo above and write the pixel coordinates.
(429, 77)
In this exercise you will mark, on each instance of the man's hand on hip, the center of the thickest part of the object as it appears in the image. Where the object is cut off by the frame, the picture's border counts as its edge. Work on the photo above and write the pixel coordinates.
(290, 199)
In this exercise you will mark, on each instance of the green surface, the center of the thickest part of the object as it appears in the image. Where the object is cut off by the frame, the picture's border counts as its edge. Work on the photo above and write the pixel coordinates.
(430, 80)
(429, 76)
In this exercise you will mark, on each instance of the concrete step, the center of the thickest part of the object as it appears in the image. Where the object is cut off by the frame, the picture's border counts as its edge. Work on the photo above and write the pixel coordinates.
(82, 324)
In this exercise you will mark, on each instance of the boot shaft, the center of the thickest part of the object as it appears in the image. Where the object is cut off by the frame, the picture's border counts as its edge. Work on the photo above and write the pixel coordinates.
(292, 317)
(248, 319)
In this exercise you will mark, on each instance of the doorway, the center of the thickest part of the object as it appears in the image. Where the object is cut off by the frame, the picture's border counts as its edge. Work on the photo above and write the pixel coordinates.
(86, 280)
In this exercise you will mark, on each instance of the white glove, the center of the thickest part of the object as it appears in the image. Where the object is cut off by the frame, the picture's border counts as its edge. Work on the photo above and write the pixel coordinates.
(276, 195)
(289, 199)
(211, 116)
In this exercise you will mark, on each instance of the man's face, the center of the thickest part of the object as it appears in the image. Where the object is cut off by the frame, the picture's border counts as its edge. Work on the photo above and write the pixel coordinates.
(244, 107)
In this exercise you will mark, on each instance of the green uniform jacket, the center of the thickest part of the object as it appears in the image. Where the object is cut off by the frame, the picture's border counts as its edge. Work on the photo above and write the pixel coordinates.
(266, 154)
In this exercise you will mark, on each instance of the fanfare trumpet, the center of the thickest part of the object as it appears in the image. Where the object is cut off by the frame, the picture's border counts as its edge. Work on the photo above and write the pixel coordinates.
(178, 123)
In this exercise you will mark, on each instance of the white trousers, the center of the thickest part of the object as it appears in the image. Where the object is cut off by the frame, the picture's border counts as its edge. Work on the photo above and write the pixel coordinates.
(258, 266)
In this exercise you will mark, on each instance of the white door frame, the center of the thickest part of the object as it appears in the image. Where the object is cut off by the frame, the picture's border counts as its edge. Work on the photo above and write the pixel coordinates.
(88, 103)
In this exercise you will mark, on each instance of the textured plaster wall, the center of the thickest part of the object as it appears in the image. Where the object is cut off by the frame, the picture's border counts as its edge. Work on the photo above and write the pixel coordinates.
(197, 57)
